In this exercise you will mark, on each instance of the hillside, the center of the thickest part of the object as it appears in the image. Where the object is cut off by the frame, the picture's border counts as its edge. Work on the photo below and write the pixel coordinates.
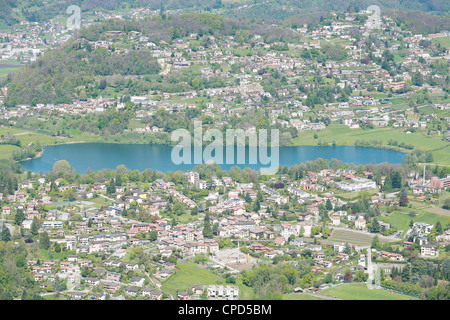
(104, 53)
(11, 12)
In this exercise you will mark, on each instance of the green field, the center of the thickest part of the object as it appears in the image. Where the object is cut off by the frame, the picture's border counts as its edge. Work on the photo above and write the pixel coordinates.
(444, 41)
(343, 135)
(188, 275)
(354, 195)
(352, 237)
(442, 156)
(9, 66)
(7, 150)
(361, 292)
(26, 137)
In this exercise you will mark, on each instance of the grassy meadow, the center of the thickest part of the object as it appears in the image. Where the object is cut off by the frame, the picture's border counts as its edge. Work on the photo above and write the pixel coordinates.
(357, 291)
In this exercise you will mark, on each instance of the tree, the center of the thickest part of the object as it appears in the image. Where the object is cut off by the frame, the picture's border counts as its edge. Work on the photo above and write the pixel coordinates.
(44, 241)
(62, 169)
(348, 276)
(328, 278)
(438, 293)
(215, 229)
(111, 188)
(438, 228)
(328, 205)
(207, 230)
(396, 180)
(326, 232)
(257, 205)
(360, 276)
(69, 194)
(347, 249)
(6, 234)
(153, 235)
(247, 198)
(375, 226)
(446, 269)
(20, 217)
(417, 79)
(375, 242)
(446, 204)
(403, 198)
(34, 226)
(406, 273)
(57, 247)
(387, 183)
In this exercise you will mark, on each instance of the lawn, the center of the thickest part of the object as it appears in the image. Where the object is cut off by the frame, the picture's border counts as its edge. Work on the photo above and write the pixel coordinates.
(187, 275)
(343, 135)
(354, 195)
(43, 139)
(44, 255)
(444, 41)
(441, 156)
(433, 218)
(9, 66)
(27, 136)
(400, 220)
(10, 130)
(6, 150)
(99, 201)
(398, 58)
(361, 292)
(242, 52)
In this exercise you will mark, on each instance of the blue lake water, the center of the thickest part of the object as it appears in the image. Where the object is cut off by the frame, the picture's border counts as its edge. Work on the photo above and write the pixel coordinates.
(97, 156)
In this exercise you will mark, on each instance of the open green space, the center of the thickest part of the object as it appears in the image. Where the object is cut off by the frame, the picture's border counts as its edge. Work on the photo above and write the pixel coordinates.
(9, 66)
(443, 41)
(343, 135)
(187, 275)
(361, 292)
(7, 150)
(400, 219)
(354, 195)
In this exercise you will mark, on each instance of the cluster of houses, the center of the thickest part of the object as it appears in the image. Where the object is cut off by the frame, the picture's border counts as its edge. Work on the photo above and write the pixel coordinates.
(288, 109)
(106, 231)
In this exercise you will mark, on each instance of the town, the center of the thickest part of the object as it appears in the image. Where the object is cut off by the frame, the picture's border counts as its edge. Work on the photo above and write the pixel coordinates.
(128, 235)
(314, 230)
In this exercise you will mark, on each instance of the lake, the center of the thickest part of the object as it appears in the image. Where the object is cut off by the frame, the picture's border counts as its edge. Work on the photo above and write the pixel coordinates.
(97, 156)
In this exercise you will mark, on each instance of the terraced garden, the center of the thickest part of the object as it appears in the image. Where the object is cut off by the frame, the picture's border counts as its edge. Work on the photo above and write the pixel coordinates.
(353, 237)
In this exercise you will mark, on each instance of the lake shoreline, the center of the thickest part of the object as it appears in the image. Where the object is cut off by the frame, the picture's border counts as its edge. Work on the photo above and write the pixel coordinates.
(106, 155)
